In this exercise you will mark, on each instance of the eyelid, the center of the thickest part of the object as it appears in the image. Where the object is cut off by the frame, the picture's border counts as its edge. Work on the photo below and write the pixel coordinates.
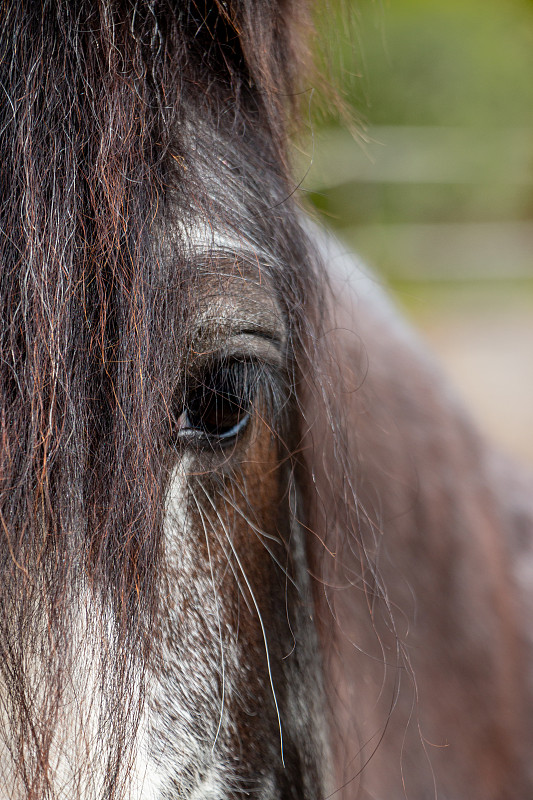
(248, 346)
(188, 431)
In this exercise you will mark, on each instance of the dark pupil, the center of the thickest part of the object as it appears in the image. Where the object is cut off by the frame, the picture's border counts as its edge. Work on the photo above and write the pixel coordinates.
(222, 400)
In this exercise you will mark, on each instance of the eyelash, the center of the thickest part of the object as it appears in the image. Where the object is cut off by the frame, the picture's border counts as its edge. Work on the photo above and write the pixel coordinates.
(217, 408)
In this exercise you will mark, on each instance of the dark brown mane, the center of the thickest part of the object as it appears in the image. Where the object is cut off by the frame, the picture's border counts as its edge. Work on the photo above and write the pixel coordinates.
(95, 99)
(98, 100)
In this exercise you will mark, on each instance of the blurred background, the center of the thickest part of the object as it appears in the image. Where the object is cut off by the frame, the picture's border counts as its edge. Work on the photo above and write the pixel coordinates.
(433, 186)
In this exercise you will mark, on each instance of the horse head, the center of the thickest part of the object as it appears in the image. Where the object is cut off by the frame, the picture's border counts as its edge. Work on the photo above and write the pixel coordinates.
(250, 544)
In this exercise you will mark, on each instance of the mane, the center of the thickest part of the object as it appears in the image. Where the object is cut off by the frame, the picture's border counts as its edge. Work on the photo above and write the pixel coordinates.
(107, 122)
(98, 99)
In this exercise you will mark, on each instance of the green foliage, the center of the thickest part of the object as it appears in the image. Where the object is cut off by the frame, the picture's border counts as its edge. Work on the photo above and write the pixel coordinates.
(446, 90)
(434, 62)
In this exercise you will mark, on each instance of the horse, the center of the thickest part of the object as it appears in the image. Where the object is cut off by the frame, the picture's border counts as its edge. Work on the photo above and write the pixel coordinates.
(251, 545)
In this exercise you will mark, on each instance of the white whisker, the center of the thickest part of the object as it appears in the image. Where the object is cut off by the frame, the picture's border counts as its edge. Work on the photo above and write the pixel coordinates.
(260, 618)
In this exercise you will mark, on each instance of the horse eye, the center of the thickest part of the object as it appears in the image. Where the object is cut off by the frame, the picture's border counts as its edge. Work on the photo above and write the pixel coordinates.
(218, 407)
